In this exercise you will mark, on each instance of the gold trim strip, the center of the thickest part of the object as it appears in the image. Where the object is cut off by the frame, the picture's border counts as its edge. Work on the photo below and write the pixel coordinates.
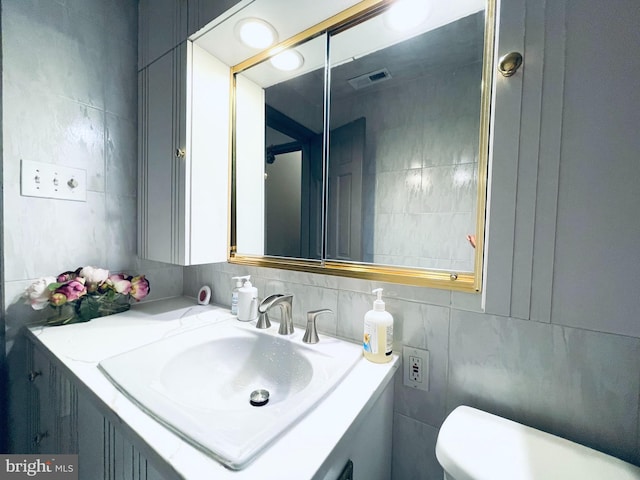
(483, 148)
(463, 282)
(231, 214)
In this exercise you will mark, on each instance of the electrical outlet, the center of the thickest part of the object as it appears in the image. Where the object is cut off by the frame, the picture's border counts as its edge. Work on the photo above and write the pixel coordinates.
(415, 368)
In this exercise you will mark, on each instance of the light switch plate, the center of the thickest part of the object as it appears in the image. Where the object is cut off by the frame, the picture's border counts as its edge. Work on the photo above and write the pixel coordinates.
(47, 180)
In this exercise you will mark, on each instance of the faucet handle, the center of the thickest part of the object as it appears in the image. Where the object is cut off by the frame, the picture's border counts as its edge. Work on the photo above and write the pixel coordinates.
(311, 333)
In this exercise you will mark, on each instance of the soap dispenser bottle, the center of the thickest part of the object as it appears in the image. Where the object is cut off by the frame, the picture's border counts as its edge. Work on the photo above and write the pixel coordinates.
(247, 301)
(378, 332)
(234, 294)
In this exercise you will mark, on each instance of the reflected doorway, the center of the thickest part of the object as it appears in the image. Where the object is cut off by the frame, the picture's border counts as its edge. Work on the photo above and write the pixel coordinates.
(283, 194)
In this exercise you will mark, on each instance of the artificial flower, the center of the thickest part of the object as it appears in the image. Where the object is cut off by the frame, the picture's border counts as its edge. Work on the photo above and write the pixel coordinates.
(94, 277)
(67, 276)
(139, 287)
(38, 293)
(73, 289)
(58, 299)
(119, 283)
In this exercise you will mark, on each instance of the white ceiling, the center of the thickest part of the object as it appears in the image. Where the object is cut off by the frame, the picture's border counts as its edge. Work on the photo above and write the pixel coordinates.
(290, 18)
(286, 16)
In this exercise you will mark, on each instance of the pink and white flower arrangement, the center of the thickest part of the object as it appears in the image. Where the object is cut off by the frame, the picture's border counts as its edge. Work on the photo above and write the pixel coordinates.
(90, 291)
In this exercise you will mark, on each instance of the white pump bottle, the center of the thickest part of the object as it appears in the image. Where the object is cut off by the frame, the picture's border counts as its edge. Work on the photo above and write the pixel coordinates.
(247, 301)
(378, 332)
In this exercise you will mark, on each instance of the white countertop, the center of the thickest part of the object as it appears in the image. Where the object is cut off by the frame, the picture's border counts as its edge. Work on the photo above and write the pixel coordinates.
(300, 451)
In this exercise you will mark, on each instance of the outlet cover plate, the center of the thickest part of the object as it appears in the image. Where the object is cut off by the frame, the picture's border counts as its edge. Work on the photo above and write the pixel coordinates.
(415, 363)
(47, 180)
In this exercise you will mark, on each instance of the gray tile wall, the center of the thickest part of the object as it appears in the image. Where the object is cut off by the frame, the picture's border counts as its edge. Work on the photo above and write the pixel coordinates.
(69, 92)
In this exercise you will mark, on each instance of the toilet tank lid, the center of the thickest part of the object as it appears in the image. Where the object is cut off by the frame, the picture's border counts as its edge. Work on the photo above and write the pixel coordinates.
(476, 445)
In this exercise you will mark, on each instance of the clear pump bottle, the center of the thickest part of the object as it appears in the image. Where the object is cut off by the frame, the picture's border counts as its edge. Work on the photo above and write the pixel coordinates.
(234, 293)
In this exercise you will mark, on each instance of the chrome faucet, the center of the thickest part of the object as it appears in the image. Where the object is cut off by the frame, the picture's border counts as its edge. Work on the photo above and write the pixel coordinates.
(285, 302)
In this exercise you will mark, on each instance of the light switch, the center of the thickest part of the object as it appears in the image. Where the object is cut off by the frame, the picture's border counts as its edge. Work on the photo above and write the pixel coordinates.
(47, 180)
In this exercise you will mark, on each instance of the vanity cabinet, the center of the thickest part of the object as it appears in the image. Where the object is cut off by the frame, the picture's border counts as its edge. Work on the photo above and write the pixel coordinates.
(183, 150)
(59, 417)
(58, 390)
(42, 414)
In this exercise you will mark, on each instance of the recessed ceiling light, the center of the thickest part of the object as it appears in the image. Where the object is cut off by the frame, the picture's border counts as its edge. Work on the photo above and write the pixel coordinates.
(407, 14)
(256, 33)
(287, 60)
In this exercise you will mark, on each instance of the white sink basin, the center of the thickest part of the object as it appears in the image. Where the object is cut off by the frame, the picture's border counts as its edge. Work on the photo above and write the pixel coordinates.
(216, 375)
(198, 383)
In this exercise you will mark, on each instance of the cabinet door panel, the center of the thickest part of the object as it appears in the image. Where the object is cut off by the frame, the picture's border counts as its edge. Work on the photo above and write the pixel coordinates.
(91, 449)
(183, 156)
(160, 174)
(42, 412)
(162, 26)
(162, 133)
(19, 420)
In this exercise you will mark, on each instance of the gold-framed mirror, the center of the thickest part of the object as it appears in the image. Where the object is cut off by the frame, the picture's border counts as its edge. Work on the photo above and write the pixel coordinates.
(370, 159)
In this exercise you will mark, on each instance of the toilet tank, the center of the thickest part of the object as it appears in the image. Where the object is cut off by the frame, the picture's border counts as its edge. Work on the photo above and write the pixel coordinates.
(475, 445)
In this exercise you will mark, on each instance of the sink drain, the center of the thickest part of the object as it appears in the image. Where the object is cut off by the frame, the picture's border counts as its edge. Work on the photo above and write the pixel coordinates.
(259, 397)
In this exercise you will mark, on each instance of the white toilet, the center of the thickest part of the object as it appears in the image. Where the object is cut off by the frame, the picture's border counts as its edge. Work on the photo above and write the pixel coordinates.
(475, 445)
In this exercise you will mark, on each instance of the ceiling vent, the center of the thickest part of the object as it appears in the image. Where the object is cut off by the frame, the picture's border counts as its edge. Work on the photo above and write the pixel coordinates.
(370, 78)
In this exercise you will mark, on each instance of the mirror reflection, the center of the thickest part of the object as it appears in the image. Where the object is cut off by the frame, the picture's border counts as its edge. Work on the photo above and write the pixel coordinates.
(403, 146)
(279, 187)
(395, 163)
